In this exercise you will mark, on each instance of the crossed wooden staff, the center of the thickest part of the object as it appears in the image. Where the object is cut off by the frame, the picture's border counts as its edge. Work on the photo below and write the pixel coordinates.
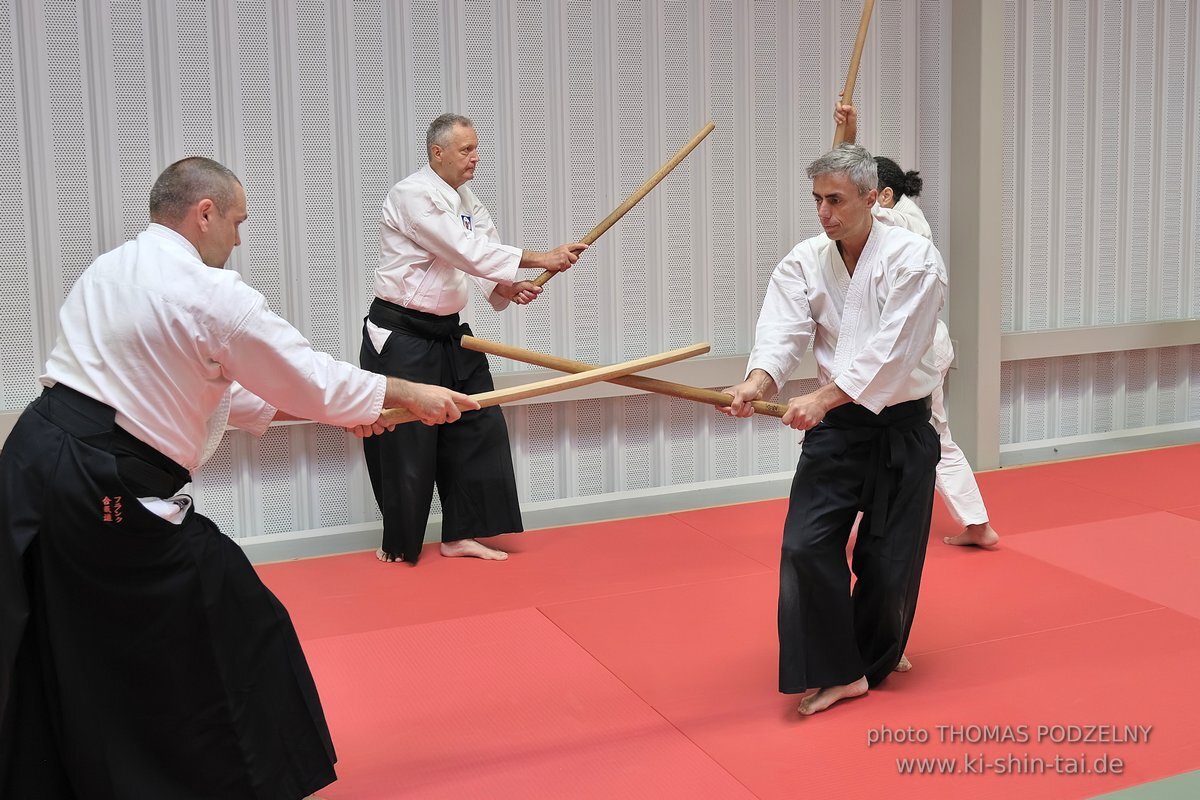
(583, 374)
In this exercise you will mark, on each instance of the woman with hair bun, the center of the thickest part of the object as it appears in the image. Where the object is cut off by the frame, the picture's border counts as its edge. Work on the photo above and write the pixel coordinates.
(955, 480)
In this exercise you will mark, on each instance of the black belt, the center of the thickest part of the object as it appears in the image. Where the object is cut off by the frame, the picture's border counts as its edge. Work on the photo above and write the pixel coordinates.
(417, 323)
(883, 431)
(146, 471)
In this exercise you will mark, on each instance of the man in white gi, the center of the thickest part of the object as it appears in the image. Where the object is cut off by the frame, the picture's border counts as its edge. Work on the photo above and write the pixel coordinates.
(866, 295)
(436, 235)
(955, 479)
(140, 655)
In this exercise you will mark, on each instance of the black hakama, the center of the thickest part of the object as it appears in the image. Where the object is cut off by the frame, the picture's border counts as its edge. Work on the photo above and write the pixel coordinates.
(138, 658)
(883, 465)
(470, 460)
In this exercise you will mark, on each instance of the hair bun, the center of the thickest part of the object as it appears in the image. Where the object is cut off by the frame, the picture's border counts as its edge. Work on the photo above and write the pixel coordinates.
(913, 183)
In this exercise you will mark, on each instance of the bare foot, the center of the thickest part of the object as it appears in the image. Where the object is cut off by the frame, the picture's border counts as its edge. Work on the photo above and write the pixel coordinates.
(904, 666)
(824, 698)
(980, 535)
(385, 557)
(472, 549)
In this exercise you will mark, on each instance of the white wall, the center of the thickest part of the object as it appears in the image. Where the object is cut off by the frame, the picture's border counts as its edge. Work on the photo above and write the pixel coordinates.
(1100, 201)
(321, 105)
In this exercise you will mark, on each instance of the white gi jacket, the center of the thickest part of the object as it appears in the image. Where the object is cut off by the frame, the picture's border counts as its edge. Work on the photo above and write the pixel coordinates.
(907, 214)
(872, 335)
(169, 343)
(433, 237)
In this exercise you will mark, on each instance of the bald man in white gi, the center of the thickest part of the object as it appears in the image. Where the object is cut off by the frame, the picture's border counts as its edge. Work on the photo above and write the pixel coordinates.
(140, 655)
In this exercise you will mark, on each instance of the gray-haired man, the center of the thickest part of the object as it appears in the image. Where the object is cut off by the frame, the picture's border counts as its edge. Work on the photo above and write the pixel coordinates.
(866, 295)
(436, 239)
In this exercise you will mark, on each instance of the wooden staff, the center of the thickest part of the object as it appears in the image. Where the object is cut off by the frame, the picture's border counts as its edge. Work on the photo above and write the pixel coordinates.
(396, 416)
(634, 198)
(707, 396)
(848, 93)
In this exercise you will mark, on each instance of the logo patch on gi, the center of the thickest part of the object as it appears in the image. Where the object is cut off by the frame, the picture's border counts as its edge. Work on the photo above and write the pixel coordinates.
(466, 218)
(112, 509)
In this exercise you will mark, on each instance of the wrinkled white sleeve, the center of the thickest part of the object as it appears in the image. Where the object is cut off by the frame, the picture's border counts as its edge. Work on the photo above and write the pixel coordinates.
(248, 411)
(439, 230)
(881, 368)
(785, 326)
(272, 360)
(486, 227)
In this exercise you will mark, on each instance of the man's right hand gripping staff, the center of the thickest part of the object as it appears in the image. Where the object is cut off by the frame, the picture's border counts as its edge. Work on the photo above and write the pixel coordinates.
(432, 405)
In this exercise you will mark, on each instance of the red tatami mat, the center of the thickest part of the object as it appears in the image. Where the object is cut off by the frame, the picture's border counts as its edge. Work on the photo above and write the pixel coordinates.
(1155, 556)
(1027, 499)
(496, 706)
(352, 593)
(707, 662)
(1163, 479)
(754, 529)
(1191, 512)
(638, 658)
(968, 595)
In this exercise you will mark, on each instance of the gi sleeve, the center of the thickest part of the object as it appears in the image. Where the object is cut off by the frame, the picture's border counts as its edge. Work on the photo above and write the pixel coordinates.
(439, 230)
(272, 360)
(248, 411)
(785, 325)
(486, 227)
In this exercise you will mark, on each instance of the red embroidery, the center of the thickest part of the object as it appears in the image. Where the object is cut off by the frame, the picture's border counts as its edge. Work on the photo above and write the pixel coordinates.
(111, 508)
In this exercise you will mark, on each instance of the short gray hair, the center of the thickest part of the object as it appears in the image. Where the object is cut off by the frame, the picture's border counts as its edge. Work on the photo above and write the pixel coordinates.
(187, 182)
(853, 161)
(440, 128)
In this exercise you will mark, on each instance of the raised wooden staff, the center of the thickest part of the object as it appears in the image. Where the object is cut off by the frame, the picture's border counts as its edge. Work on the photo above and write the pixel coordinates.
(848, 93)
(396, 416)
(634, 198)
(708, 396)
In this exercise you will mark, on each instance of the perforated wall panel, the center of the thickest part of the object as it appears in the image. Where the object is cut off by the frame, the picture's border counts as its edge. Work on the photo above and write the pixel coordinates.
(262, 254)
(131, 114)
(333, 449)
(765, 154)
(542, 453)
(193, 40)
(321, 106)
(729, 323)
(1068, 241)
(374, 147)
(589, 195)
(275, 490)
(216, 485)
(1008, 179)
(70, 140)
(632, 107)
(1076, 127)
(931, 130)
(487, 90)
(590, 450)
(20, 363)
(674, 238)
(1106, 255)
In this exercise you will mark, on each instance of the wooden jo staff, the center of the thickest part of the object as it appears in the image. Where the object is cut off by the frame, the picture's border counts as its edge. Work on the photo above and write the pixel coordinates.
(707, 396)
(634, 198)
(396, 416)
(848, 93)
